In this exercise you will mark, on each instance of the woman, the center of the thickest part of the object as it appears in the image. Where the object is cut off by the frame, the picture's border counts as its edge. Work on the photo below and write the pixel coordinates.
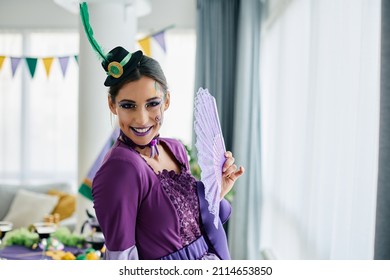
(147, 203)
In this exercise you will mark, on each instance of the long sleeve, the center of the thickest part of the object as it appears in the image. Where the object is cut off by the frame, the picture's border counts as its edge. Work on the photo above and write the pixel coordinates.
(117, 195)
(225, 210)
(128, 254)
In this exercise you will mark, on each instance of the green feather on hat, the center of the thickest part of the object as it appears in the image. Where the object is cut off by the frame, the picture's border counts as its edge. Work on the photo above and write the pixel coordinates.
(89, 32)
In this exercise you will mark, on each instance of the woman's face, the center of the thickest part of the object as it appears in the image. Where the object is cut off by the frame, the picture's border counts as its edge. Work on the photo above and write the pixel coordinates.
(140, 106)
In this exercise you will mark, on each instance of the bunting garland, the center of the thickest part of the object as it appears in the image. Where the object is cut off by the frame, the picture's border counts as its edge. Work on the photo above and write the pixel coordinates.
(32, 65)
(159, 37)
(2, 58)
(145, 46)
(14, 64)
(47, 62)
(32, 62)
(63, 61)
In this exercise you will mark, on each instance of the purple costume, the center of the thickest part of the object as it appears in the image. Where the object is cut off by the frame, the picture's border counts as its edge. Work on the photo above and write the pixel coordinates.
(144, 215)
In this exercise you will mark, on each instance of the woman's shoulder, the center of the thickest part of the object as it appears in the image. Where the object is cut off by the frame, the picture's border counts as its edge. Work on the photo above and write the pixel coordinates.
(124, 165)
(121, 154)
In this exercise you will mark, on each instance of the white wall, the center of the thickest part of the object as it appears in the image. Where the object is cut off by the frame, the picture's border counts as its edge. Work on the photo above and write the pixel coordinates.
(39, 14)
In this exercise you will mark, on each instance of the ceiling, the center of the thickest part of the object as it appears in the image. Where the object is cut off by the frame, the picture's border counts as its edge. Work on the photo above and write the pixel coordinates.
(46, 14)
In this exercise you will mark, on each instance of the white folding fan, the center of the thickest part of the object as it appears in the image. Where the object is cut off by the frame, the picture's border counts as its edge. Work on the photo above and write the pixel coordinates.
(210, 146)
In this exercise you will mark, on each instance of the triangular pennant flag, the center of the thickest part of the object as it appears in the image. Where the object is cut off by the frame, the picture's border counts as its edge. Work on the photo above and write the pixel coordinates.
(76, 57)
(47, 61)
(64, 64)
(86, 186)
(2, 58)
(32, 65)
(160, 38)
(145, 45)
(14, 64)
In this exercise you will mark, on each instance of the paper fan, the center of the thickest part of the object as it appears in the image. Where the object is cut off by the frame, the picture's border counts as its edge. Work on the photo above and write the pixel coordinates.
(211, 148)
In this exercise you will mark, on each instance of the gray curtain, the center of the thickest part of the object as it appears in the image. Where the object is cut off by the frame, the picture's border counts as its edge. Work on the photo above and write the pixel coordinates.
(244, 227)
(382, 230)
(227, 63)
(216, 57)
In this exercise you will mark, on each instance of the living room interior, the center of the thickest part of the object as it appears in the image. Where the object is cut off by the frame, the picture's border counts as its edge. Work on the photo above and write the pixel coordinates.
(299, 91)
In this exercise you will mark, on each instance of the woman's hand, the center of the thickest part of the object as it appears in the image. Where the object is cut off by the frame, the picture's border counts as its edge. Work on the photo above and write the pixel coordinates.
(230, 174)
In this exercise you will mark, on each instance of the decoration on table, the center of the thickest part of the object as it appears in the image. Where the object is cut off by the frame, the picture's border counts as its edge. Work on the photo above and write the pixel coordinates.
(89, 254)
(5, 227)
(51, 244)
(21, 236)
(28, 237)
(64, 235)
(61, 255)
(211, 149)
(60, 245)
(44, 230)
(95, 238)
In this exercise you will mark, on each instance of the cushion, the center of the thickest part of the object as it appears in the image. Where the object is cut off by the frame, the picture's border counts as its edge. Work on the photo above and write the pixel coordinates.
(29, 207)
(66, 205)
(8, 191)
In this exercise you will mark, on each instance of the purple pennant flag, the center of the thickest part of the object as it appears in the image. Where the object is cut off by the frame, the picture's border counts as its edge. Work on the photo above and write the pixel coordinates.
(86, 186)
(64, 64)
(160, 38)
(14, 64)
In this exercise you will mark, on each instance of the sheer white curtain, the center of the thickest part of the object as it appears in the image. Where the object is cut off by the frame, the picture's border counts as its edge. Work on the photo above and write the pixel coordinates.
(179, 67)
(38, 116)
(320, 117)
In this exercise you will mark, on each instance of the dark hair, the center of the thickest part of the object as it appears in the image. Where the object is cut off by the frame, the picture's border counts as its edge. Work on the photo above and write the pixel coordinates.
(148, 67)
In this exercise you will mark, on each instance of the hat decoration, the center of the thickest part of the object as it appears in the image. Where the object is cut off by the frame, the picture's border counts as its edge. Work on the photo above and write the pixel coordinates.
(118, 63)
(89, 32)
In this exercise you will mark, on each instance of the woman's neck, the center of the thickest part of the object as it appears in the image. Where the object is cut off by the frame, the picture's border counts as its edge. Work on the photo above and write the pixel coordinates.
(149, 150)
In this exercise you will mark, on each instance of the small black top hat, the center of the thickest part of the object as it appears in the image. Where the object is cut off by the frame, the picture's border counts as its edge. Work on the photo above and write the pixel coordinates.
(119, 64)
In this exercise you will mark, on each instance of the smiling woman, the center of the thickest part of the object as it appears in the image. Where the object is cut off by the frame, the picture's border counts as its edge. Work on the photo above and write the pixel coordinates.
(144, 174)
(147, 203)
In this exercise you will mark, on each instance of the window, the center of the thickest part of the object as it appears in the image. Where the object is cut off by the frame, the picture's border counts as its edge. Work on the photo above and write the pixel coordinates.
(38, 119)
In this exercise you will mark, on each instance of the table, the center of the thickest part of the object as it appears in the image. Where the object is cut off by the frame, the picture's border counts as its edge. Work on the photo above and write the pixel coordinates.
(18, 252)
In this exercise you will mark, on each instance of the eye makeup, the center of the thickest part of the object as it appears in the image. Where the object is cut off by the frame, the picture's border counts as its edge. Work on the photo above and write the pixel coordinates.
(154, 103)
(126, 104)
(150, 103)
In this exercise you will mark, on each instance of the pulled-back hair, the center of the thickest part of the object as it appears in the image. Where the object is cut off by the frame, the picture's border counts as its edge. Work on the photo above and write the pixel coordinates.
(148, 67)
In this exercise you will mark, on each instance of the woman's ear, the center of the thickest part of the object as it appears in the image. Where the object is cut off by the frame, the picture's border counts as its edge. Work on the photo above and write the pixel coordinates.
(111, 105)
(167, 100)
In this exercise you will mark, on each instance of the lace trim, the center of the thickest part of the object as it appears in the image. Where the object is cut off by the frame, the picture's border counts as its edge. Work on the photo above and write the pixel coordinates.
(181, 190)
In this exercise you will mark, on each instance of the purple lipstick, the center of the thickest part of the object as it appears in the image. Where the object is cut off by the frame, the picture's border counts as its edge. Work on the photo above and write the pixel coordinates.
(141, 131)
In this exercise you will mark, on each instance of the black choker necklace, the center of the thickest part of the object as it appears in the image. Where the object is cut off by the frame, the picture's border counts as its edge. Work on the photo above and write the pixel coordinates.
(152, 145)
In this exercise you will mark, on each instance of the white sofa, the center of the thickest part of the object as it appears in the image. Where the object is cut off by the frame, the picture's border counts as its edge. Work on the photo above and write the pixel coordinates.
(9, 190)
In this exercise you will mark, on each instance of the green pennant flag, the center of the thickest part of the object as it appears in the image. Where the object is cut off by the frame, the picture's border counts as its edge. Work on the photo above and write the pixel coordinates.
(76, 57)
(32, 65)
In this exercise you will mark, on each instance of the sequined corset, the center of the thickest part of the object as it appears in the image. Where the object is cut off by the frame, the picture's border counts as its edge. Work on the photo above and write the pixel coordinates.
(181, 190)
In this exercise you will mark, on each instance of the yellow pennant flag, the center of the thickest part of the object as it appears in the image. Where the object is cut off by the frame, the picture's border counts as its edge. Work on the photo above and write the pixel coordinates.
(2, 58)
(145, 45)
(47, 61)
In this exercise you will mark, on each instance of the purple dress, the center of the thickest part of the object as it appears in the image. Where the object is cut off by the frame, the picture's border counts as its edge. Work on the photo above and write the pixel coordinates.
(144, 215)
